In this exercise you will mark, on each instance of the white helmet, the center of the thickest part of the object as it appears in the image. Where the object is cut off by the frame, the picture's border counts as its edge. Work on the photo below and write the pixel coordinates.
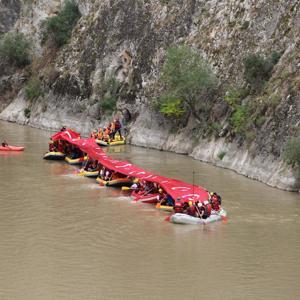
(205, 202)
(199, 204)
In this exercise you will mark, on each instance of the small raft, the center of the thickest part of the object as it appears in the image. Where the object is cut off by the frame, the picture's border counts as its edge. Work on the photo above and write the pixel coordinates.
(115, 182)
(11, 148)
(54, 156)
(189, 220)
(111, 143)
(75, 161)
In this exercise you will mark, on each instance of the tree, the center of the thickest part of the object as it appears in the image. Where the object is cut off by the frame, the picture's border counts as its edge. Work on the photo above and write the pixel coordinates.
(15, 49)
(188, 79)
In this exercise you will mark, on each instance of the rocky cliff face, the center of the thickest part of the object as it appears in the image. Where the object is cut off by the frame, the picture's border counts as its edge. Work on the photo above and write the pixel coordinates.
(127, 40)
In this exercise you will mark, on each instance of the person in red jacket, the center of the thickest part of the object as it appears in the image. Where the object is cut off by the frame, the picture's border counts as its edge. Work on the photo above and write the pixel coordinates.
(214, 200)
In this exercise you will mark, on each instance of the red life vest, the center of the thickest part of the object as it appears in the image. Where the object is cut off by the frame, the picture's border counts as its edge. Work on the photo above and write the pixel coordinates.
(207, 209)
(178, 208)
(215, 203)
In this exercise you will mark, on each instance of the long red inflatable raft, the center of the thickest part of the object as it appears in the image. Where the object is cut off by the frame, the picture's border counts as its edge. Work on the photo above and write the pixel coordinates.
(11, 148)
(175, 188)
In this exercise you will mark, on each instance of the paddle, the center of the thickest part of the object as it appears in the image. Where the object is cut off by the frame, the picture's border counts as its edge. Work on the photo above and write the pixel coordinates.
(126, 188)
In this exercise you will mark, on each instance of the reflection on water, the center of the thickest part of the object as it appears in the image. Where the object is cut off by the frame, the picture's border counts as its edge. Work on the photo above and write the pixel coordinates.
(65, 237)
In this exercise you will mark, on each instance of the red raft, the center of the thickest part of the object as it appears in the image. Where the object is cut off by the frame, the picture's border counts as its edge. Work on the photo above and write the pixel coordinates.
(11, 148)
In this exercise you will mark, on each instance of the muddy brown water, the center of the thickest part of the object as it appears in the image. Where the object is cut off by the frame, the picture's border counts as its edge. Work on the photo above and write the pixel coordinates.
(64, 237)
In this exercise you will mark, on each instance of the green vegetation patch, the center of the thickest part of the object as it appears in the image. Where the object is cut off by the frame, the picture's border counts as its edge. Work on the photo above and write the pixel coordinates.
(292, 152)
(15, 49)
(258, 69)
(33, 89)
(187, 79)
(58, 29)
(109, 91)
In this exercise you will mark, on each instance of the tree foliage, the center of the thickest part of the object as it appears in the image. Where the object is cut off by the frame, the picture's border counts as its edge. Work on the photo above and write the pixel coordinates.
(58, 29)
(187, 78)
(258, 69)
(15, 49)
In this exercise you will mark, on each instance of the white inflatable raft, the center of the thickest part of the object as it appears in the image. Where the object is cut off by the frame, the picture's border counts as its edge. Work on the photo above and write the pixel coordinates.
(186, 219)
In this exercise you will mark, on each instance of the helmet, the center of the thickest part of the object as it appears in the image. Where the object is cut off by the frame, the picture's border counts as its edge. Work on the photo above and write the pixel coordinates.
(199, 204)
(211, 193)
(190, 203)
(205, 202)
(160, 190)
(135, 180)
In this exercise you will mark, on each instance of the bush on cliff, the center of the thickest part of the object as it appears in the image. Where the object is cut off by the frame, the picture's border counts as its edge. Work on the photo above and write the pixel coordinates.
(15, 49)
(33, 89)
(109, 92)
(292, 152)
(258, 69)
(188, 81)
(58, 29)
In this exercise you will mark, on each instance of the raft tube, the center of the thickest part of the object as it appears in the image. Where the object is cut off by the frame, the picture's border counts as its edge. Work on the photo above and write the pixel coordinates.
(189, 220)
(11, 148)
(75, 161)
(54, 156)
(164, 207)
(91, 174)
(112, 143)
(115, 182)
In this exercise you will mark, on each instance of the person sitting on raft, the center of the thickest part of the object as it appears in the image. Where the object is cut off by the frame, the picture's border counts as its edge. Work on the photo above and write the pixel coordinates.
(215, 201)
(52, 146)
(4, 144)
(192, 210)
(204, 209)
(136, 184)
(167, 201)
(94, 134)
(178, 208)
(100, 134)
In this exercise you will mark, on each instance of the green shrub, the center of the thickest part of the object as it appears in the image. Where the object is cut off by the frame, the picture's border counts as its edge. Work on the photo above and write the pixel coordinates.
(258, 70)
(59, 28)
(239, 119)
(221, 155)
(15, 49)
(109, 91)
(27, 112)
(292, 152)
(33, 89)
(108, 104)
(187, 78)
(171, 106)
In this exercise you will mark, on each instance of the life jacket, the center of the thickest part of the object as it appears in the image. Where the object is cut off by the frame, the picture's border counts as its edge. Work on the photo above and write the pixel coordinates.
(178, 208)
(60, 147)
(191, 211)
(207, 211)
(100, 134)
(112, 127)
(117, 125)
(215, 203)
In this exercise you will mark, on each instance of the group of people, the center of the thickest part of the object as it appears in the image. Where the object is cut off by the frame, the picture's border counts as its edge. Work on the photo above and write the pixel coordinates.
(195, 209)
(198, 209)
(64, 147)
(108, 133)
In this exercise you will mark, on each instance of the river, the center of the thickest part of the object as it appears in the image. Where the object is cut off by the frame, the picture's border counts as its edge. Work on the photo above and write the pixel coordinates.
(65, 237)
